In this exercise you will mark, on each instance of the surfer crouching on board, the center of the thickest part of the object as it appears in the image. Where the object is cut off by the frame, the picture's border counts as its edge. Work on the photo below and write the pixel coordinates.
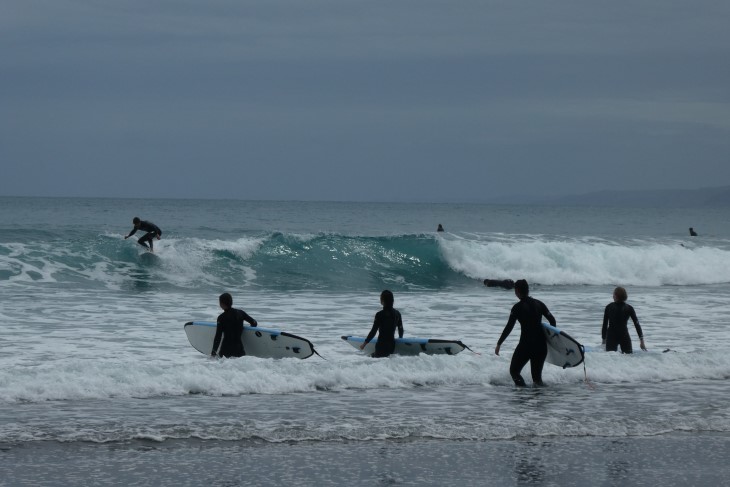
(532, 346)
(230, 326)
(386, 322)
(149, 227)
(615, 330)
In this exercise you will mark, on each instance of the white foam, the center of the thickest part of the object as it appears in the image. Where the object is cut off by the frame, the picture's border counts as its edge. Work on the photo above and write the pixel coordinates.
(586, 261)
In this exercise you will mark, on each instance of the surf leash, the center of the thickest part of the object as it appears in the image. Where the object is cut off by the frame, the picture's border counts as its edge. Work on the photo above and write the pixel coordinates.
(590, 385)
(318, 355)
(472, 351)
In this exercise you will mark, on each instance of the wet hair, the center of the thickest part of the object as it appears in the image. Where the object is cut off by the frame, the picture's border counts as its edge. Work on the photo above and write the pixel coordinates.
(522, 287)
(621, 294)
(387, 298)
(136, 220)
(226, 300)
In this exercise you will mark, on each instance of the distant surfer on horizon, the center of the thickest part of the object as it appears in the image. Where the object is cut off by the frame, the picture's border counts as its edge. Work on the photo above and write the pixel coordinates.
(386, 322)
(503, 283)
(615, 330)
(153, 231)
(230, 328)
(692, 232)
(440, 228)
(532, 346)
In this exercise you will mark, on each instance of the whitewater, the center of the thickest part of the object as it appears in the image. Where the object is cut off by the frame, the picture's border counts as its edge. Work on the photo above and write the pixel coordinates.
(98, 384)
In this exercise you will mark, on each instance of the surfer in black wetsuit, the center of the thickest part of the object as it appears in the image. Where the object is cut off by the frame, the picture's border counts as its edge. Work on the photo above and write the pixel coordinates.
(386, 322)
(615, 330)
(149, 227)
(503, 283)
(692, 232)
(532, 346)
(230, 326)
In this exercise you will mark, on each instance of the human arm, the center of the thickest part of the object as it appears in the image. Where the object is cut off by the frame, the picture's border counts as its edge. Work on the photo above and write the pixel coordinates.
(248, 319)
(639, 332)
(217, 339)
(604, 327)
(400, 326)
(134, 230)
(547, 314)
(505, 333)
(372, 333)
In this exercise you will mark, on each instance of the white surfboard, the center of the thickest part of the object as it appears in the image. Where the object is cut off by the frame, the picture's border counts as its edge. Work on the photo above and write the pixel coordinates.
(257, 341)
(563, 350)
(412, 346)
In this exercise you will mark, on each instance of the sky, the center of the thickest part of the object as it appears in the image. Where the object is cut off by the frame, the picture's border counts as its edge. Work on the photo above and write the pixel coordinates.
(344, 100)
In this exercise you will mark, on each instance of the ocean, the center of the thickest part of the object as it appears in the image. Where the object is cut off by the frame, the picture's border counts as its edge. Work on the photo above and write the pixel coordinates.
(99, 385)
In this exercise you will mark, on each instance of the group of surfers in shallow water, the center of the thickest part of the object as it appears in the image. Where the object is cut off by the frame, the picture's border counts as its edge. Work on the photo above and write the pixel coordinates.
(528, 311)
(532, 346)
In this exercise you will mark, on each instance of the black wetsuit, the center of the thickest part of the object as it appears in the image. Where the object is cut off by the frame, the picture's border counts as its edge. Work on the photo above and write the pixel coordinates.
(532, 346)
(152, 232)
(385, 324)
(230, 325)
(504, 283)
(615, 330)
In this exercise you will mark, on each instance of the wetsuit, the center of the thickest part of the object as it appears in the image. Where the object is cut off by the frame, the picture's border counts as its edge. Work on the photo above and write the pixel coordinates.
(615, 330)
(385, 324)
(504, 283)
(230, 325)
(532, 346)
(152, 232)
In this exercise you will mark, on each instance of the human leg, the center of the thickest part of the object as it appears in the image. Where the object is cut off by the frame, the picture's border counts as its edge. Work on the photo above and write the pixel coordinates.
(537, 361)
(519, 360)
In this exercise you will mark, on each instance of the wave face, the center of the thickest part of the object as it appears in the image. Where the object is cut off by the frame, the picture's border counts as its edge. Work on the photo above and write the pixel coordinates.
(288, 261)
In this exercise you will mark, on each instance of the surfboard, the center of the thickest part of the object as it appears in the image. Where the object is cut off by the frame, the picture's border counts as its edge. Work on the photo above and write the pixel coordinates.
(257, 341)
(412, 346)
(563, 350)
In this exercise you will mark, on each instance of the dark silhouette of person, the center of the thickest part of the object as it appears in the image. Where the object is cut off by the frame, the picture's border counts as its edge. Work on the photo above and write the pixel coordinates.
(440, 228)
(386, 322)
(503, 283)
(615, 330)
(230, 329)
(532, 346)
(692, 232)
(149, 227)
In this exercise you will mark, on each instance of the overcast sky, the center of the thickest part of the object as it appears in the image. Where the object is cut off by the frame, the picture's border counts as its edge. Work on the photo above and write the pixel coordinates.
(362, 100)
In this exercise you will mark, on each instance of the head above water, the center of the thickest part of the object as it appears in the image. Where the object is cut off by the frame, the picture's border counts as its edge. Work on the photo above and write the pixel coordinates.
(522, 289)
(225, 300)
(387, 299)
(620, 295)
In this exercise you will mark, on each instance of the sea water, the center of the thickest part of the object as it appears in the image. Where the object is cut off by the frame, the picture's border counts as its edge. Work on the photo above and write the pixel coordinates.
(99, 386)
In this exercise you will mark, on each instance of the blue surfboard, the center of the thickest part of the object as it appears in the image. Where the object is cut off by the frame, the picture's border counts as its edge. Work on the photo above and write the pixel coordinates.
(412, 346)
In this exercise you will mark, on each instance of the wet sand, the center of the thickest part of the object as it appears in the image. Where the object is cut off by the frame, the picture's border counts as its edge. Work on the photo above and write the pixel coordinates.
(697, 459)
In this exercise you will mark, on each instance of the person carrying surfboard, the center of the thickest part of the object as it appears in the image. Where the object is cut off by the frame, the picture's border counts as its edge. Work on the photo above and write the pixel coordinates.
(615, 330)
(532, 346)
(229, 328)
(386, 322)
(149, 227)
